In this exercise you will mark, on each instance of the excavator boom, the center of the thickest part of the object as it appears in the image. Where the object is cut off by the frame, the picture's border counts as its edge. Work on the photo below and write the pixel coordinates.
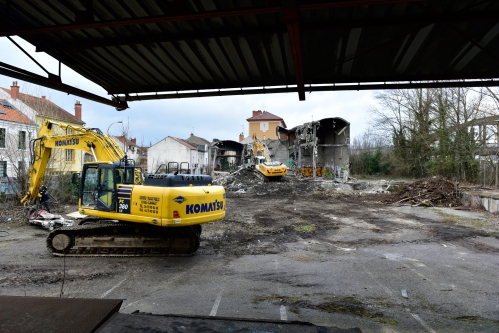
(90, 140)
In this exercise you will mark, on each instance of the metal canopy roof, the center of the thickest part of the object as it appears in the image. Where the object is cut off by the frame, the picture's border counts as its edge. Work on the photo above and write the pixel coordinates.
(146, 49)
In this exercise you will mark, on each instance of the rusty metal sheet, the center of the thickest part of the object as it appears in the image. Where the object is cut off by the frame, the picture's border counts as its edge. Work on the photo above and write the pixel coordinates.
(21, 314)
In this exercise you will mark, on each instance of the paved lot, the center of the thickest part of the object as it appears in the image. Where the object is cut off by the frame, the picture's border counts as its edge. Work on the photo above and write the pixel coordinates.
(321, 256)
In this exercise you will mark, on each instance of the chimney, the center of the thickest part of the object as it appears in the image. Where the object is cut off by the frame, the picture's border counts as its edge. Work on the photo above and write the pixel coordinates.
(257, 113)
(134, 141)
(241, 137)
(14, 90)
(78, 110)
(43, 97)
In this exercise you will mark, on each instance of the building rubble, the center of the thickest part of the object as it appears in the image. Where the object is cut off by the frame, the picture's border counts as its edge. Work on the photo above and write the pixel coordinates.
(245, 181)
(49, 221)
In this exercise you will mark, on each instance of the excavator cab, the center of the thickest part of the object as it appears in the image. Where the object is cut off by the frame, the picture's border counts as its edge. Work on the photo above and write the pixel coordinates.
(99, 183)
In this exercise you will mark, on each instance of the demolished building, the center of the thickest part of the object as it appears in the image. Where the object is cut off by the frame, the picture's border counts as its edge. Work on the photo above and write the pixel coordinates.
(314, 149)
(225, 156)
(317, 148)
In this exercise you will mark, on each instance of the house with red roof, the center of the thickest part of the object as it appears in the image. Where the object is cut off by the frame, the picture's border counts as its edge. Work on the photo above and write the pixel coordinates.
(173, 151)
(132, 150)
(16, 130)
(40, 109)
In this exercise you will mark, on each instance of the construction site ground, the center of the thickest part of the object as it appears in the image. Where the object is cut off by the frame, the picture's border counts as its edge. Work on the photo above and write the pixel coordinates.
(329, 253)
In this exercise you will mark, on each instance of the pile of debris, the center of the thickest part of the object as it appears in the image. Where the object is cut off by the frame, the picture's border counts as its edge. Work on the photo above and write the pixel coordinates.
(431, 192)
(48, 220)
(245, 181)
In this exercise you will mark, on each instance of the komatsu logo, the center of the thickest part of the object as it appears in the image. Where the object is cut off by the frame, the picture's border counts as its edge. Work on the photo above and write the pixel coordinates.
(204, 207)
(69, 142)
(180, 199)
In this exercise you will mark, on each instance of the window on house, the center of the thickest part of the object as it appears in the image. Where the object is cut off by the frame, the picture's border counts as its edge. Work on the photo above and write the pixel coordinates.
(22, 140)
(20, 167)
(2, 137)
(69, 155)
(3, 168)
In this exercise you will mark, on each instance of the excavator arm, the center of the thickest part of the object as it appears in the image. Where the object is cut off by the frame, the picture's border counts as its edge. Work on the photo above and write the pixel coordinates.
(90, 140)
(259, 146)
(263, 165)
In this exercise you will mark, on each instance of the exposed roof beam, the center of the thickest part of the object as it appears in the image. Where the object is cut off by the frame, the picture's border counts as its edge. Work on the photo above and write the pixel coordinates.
(454, 77)
(422, 20)
(490, 35)
(349, 87)
(194, 16)
(413, 48)
(293, 26)
(159, 38)
(351, 50)
(27, 76)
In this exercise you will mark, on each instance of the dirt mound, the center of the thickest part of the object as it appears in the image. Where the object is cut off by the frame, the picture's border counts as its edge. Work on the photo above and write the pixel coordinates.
(435, 191)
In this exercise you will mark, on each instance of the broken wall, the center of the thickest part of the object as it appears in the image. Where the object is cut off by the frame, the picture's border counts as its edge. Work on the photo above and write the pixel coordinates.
(319, 145)
(335, 151)
(278, 150)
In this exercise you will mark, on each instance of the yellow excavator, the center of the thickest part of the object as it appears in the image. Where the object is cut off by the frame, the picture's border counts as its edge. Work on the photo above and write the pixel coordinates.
(127, 214)
(264, 167)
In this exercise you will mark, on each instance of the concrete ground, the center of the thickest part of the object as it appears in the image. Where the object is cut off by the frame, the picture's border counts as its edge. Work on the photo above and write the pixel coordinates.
(321, 256)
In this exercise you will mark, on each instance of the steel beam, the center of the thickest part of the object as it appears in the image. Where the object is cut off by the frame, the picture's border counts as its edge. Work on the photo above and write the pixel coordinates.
(304, 27)
(55, 84)
(193, 16)
(345, 87)
(293, 26)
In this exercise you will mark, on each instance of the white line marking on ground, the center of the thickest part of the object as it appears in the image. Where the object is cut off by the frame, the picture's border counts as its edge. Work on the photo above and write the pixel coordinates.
(422, 322)
(111, 290)
(284, 314)
(166, 286)
(282, 309)
(389, 292)
(421, 275)
(214, 309)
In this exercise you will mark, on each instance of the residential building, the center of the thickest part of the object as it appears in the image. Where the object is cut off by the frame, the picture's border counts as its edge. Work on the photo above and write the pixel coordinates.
(263, 125)
(200, 164)
(132, 150)
(40, 109)
(173, 151)
(16, 130)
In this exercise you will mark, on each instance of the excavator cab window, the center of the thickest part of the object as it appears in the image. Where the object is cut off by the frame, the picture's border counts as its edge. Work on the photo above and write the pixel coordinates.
(98, 189)
(89, 186)
(106, 199)
(129, 176)
(125, 175)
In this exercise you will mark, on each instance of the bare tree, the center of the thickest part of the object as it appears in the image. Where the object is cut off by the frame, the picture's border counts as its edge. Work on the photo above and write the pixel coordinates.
(432, 130)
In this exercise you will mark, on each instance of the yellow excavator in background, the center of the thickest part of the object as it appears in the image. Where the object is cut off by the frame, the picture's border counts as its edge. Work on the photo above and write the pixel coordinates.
(264, 167)
(127, 214)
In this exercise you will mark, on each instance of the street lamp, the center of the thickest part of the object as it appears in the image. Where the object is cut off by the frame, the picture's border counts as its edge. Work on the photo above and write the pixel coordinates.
(116, 122)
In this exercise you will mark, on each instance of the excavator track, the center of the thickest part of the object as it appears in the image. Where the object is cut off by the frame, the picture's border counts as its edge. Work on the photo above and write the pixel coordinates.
(123, 240)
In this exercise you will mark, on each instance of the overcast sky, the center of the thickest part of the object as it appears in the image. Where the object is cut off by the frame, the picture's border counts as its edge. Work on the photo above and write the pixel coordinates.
(208, 117)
